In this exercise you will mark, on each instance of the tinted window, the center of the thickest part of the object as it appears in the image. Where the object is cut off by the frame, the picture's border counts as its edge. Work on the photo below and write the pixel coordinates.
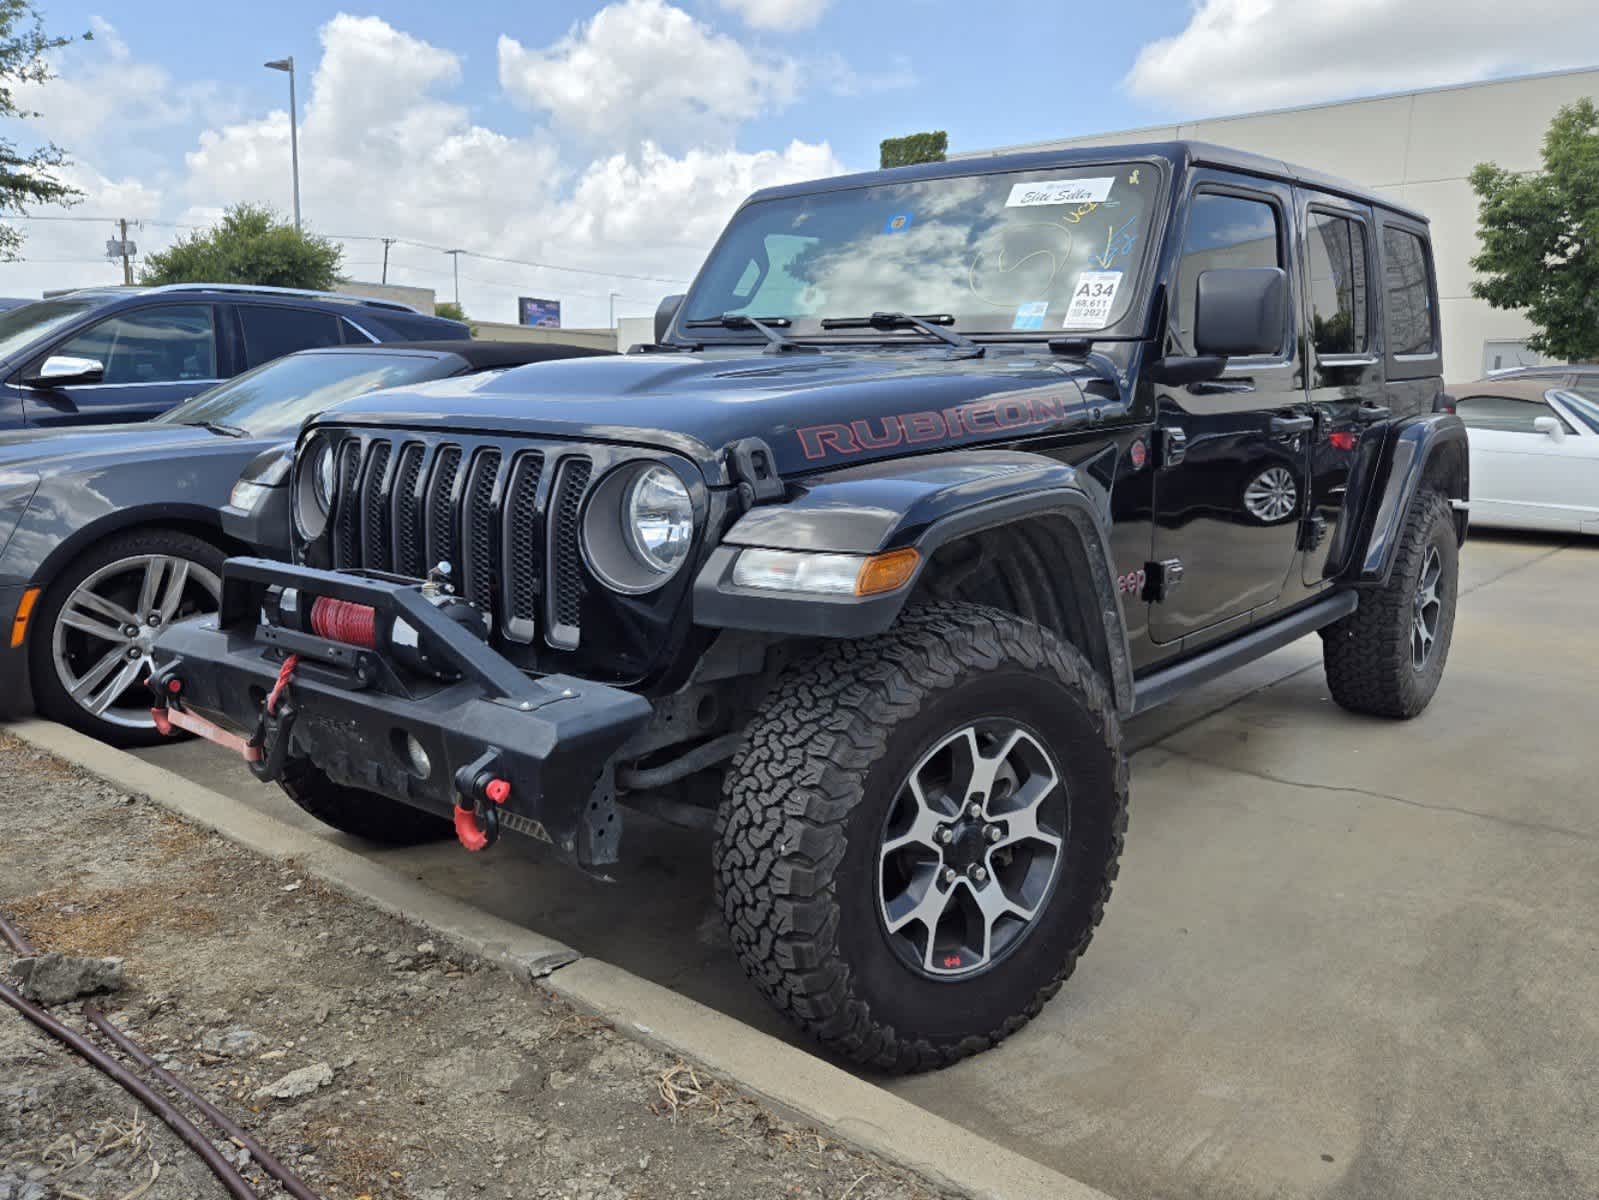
(151, 345)
(1503, 414)
(1223, 231)
(273, 332)
(279, 396)
(353, 335)
(1409, 293)
(1336, 253)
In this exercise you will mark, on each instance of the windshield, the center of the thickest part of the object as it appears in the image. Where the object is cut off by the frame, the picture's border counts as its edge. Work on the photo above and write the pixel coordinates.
(21, 327)
(278, 396)
(1048, 250)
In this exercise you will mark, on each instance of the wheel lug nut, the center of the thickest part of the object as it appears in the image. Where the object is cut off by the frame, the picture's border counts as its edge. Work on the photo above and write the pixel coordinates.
(131, 630)
(949, 875)
(979, 873)
(995, 833)
(946, 835)
(975, 808)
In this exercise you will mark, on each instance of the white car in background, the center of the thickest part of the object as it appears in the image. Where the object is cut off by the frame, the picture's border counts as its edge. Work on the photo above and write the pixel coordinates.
(1534, 451)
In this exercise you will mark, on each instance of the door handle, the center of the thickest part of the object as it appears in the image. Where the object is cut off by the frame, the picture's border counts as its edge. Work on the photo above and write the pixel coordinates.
(1221, 387)
(1370, 413)
(1285, 426)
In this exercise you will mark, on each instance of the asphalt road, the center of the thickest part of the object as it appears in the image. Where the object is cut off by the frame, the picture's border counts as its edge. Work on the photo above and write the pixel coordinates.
(1346, 957)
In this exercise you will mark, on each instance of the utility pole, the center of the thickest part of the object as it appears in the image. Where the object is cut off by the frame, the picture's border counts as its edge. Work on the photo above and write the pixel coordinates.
(455, 257)
(387, 242)
(127, 266)
(614, 296)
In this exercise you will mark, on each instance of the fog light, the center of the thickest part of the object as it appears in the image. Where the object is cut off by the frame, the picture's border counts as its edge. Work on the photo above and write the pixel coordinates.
(420, 762)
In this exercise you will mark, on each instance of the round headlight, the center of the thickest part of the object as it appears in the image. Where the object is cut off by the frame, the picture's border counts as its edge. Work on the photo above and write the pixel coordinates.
(659, 520)
(638, 527)
(314, 485)
(322, 475)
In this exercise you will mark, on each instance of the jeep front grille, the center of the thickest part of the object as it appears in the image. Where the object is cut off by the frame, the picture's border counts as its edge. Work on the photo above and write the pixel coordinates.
(504, 516)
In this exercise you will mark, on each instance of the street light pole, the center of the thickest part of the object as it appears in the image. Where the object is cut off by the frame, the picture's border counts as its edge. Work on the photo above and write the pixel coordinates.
(614, 296)
(287, 64)
(455, 258)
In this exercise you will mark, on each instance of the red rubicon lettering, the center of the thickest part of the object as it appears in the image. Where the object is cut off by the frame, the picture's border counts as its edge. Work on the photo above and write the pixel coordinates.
(817, 440)
(931, 425)
(870, 439)
(924, 426)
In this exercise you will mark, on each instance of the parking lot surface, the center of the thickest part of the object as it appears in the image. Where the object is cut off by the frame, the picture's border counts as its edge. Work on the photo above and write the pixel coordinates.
(1345, 958)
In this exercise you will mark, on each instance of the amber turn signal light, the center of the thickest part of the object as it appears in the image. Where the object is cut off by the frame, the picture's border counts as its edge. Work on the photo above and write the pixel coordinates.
(19, 626)
(887, 571)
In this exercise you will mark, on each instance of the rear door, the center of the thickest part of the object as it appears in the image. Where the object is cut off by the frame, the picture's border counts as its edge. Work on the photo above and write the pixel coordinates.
(153, 357)
(271, 331)
(1233, 451)
(1347, 390)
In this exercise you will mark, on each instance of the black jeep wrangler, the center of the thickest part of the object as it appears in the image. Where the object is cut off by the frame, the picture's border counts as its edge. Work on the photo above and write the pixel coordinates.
(934, 478)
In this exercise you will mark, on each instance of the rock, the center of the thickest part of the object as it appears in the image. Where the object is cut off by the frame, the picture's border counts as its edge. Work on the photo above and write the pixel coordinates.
(51, 979)
(296, 1083)
(426, 949)
(235, 1043)
(561, 1080)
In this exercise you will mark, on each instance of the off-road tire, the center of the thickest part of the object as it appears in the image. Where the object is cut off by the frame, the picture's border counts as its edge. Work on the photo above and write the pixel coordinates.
(50, 695)
(1367, 655)
(800, 826)
(361, 814)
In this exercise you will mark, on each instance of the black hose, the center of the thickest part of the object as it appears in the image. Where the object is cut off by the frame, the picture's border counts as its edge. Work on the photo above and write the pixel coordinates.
(642, 779)
(291, 1182)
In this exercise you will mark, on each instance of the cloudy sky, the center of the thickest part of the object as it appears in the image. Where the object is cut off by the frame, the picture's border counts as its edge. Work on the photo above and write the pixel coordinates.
(614, 140)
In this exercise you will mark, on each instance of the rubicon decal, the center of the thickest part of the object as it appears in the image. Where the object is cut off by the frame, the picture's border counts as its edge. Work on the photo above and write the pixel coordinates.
(1020, 410)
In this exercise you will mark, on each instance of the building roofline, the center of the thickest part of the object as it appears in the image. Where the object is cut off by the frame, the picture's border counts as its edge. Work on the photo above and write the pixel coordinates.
(1146, 132)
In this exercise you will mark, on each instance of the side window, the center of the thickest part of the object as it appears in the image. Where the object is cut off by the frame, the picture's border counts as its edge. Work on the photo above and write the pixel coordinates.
(1336, 260)
(1504, 414)
(167, 344)
(1223, 231)
(1409, 317)
(353, 334)
(273, 332)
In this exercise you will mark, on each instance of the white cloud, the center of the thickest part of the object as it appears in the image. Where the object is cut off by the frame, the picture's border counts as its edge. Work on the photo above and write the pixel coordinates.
(1249, 54)
(644, 70)
(783, 16)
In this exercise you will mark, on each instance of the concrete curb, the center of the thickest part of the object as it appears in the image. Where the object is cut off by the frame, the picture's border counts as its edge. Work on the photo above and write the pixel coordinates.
(813, 1089)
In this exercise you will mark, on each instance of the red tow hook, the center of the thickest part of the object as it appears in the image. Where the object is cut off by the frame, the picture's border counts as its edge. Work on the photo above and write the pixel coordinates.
(473, 836)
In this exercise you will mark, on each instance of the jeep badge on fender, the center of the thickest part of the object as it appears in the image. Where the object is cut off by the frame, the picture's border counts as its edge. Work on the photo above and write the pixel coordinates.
(933, 478)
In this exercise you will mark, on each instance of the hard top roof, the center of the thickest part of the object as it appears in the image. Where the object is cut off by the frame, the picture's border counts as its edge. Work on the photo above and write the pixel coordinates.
(1180, 155)
(478, 355)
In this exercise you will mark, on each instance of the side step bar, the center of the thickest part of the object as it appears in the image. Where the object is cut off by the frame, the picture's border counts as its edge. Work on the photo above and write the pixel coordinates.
(1160, 686)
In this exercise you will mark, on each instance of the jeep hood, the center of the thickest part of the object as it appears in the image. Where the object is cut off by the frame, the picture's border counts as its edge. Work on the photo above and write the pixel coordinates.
(814, 410)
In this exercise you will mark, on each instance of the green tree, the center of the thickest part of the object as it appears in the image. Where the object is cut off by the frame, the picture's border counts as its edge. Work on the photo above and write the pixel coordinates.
(913, 148)
(26, 176)
(251, 244)
(450, 309)
(1540, 237)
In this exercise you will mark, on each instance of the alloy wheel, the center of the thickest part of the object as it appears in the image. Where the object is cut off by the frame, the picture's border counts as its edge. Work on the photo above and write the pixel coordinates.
(1272, 495)
(1426, 609)
(971, 849)
(103, 638)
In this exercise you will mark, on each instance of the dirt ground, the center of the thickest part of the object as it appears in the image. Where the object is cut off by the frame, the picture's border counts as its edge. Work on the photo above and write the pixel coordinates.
(444, 1078)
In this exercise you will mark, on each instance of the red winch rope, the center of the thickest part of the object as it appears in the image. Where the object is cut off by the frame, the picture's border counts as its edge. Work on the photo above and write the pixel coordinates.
(285, 673)
(345, 621)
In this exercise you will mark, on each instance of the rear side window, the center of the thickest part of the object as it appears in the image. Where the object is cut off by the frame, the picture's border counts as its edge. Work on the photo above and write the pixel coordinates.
(1504, 414)
(169, 343)
(273, 332)
(1339, 292)
(1409, 318)
(1223, 231)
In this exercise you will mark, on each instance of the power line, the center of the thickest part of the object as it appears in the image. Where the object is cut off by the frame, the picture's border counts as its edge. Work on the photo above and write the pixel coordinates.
(515, 262)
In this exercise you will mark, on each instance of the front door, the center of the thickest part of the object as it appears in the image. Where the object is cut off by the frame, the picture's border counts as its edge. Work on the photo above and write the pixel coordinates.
(1230, 492)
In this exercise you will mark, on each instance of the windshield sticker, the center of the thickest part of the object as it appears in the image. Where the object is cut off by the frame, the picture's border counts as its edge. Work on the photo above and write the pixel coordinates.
(1060, 191)
(1092, 300)
(1030, 315)
(897, 222)
(1117, 243)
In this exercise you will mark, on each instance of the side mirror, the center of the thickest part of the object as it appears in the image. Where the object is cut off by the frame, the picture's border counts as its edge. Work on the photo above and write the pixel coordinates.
(61, 370)
(664, 314)
(1241, 311)
(1550, 427)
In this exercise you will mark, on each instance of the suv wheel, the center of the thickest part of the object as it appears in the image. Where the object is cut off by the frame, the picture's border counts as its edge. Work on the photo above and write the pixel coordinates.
(361, 814)
(90, 648)
(921, 833)
(1387, 656)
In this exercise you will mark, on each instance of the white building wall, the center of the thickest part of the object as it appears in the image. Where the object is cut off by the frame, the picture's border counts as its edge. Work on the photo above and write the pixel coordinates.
(1419, 148)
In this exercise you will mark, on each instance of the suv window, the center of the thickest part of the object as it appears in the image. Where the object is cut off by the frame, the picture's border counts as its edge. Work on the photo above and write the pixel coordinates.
(1336, 253)
(1504, 414)
(168, 344)
(271, 332)
(1409, 318)
(1223, 231)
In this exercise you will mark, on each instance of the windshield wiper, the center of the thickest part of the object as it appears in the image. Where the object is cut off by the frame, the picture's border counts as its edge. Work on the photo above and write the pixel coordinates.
(765, 326)
(232, 431)
(930, 325)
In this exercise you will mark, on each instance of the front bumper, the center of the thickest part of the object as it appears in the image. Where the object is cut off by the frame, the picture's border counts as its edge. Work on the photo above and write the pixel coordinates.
(550, 738)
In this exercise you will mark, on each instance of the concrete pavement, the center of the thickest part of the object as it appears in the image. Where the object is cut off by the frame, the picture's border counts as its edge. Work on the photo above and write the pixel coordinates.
(1346, 957)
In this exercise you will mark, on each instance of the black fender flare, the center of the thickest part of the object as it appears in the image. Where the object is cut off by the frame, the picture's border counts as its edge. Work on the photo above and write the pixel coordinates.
(922, 502)
(1421, 450)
